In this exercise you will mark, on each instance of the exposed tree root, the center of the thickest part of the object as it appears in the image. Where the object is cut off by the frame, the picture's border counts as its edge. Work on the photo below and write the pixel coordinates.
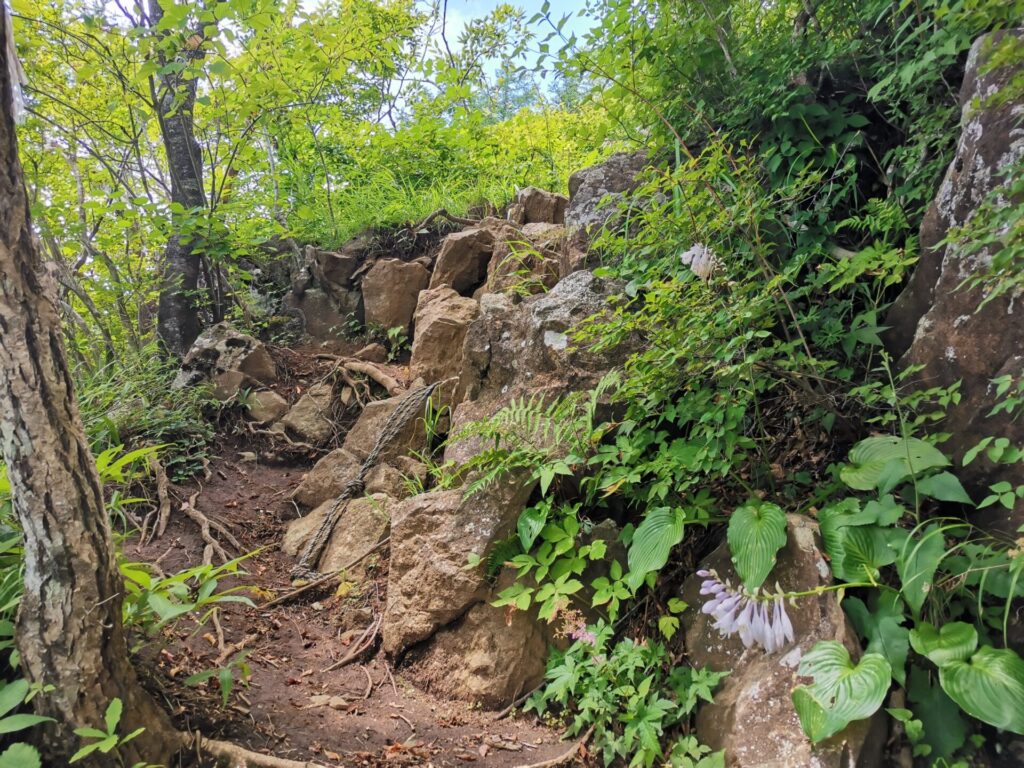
(238, 757)
(441, 213)
(374, 372)
(361, 645)
(565, 757)
(205, 525)
(518, 701)
(163, 514)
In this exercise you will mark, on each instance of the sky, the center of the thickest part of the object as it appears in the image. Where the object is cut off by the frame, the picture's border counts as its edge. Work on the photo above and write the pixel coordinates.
(461, 11)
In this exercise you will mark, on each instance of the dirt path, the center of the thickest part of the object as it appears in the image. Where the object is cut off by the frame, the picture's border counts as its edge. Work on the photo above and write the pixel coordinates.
(364, 714)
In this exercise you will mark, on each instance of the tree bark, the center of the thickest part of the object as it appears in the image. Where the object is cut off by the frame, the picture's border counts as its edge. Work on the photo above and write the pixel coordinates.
(174, 96)
(69, 629)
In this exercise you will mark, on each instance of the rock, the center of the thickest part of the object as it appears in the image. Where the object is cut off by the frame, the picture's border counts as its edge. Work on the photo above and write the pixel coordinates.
(462, 261)
(229, 384)
(545, 236)
(488, 657)
(416, 472)
(386, 479)
(220, 349)
(936, 324)
(364, 522)
(333, 269)
(527, 345)
(538, 206)
(442, 319)
(519, 268)
(327, 479)
(266, 406)
(593, 194)
(311, 418)
(390, 290)
(432, 535)
(369, 426)
(752, 717)
(372, 353)
(326, 317)
(523, 350)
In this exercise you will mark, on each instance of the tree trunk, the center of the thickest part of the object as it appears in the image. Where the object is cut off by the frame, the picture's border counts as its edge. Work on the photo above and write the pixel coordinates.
(174, 99)
(69, 628)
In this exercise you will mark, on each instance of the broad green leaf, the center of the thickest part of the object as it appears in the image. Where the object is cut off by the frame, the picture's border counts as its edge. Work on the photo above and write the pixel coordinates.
(945, 729)
(944, 487)
(653, 539)
(20, 756)
(916, 561)
(668, 626)
(531, 522)
(756, 534)
(865, 550)
(13, 694)
(891, 459)
(842, 692)
(13, 723)
(956, 641)
(881, 626)
(990, 687)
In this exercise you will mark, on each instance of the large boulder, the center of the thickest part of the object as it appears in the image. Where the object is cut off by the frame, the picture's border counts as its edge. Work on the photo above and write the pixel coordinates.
(462, 261)
(948, 329)
(311, 418)
(526, 346)
(594, 191)
(334, 269)
(442, 319)
(521, 266)
(228, 359)
(390, 291)
(487, 657)
(362, 525)
(523, 350)
(363, 435)
(752, 716)
(327, 479)
(431, 537)
(326, 317)
(538, 206)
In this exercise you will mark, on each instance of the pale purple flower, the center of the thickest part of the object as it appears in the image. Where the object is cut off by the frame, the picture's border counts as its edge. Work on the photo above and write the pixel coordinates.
(758, 619)
(584, 634)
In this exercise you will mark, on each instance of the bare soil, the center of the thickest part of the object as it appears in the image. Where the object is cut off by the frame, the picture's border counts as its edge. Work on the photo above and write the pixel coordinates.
(364, 714)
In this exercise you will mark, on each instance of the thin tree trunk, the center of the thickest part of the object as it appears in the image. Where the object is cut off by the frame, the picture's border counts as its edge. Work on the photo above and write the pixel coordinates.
(69, 628)
(178, 312)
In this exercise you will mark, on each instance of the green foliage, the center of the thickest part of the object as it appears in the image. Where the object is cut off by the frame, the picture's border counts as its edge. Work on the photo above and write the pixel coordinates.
(225, 675)
(842, 691)
(757, 531)
(130, 403)
(12, 695)
(105, 741)
(552, 555)
(631, 697)
(152, 601)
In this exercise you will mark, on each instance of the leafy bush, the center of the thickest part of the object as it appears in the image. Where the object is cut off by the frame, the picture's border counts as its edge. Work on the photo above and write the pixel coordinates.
(631, 697)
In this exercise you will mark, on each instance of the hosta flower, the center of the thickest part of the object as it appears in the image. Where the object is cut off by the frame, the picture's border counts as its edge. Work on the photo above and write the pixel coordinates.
(758, 619)
(701, 260)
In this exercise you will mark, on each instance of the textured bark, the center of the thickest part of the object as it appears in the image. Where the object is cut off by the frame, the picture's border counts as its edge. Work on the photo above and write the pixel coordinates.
(69, 625)
(178, 322)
